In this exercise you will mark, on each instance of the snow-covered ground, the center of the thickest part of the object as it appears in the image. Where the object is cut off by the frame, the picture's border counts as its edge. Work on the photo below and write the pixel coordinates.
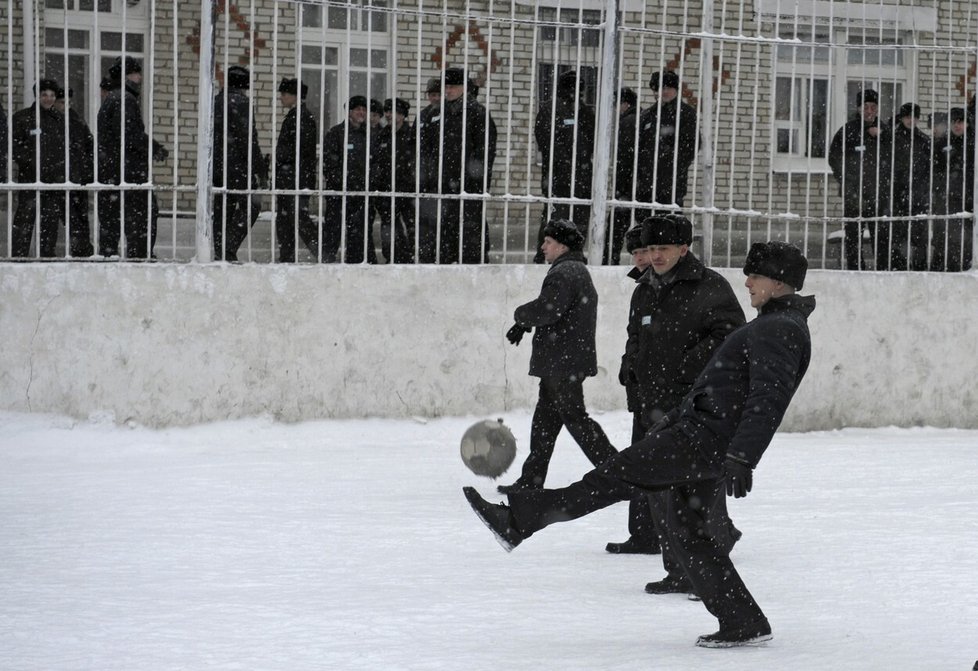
(343, 545)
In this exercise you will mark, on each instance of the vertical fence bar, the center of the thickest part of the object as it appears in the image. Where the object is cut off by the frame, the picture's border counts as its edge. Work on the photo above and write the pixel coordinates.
(205, 132)
(708, 197)
(604, 133)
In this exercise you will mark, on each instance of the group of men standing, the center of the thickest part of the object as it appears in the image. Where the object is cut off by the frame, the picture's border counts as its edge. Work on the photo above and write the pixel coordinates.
(370, 171)
(706, 390)
(52, 144)
(890, 172)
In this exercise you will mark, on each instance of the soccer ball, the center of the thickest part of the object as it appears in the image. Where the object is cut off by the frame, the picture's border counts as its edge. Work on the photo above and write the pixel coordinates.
(488, 448)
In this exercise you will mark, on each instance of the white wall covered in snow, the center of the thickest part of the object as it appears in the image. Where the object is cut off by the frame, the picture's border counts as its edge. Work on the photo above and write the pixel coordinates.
(180, 344)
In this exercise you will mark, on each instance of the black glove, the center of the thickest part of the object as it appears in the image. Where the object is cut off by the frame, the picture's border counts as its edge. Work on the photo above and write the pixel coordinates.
(739, 477)
(515, 333)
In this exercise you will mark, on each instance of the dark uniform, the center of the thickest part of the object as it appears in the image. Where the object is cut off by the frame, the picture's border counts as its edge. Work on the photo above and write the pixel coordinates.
(392, 169)
(295, 168)
(621, 217)
(38, 147)
(345, 154)
(860, 163)
(719, 432)
(903, 244)
(81, 170)
(122, 138)
(238, 157)
(564, 317)
(3, 144)
(567, 168)
(951, 250)
(461, 138)
(666, 147)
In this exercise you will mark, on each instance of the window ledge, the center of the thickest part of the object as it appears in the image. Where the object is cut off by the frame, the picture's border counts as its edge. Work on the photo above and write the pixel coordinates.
(800, 166)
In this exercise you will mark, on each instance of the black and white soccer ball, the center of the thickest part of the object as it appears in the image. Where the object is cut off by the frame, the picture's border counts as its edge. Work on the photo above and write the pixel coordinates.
(488, 448)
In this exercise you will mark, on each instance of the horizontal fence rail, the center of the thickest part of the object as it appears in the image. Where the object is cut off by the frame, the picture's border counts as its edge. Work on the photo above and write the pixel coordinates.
(391, 131)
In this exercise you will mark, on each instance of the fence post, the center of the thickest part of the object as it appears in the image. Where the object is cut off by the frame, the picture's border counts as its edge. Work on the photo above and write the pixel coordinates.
(603, 141)
(205, 133)
(706, 135)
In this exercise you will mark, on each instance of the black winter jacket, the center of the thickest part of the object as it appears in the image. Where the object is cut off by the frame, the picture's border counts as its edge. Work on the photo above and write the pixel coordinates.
(950, 163)
(343, 140)
(81, 150)
(39, 143)
(239, 141)
(386, 170)
(625, 155)
(120, 118)
(297, 149)
(572, 125)
(743, 392)
(860, 162)
(911, 169)
(672, 333)
(666, 142)
(465, 142)
(564, 317)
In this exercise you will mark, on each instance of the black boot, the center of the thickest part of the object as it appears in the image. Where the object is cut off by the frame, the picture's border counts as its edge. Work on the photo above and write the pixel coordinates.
(497, 517)
(634, 547)
(669, 585)
(752, 633)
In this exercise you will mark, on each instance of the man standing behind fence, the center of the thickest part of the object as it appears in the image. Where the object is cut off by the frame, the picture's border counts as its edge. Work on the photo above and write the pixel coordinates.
(123, 156)
(81, 170)
(621, 218)
(666, 144)
(564, 131)
(38, 138)
(238, 164)
(345, 169)
(295, 168)
(952, 237)
(392, 169)
(860, 162)
(904, 243)
(464, 142)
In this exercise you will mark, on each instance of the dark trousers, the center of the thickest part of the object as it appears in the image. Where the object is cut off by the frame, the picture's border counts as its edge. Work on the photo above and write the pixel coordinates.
(560, 404)
(852, 242)
(234, 216)
(952, 246)
(79, 231)
(292, 222)
(618, 224)
(131, 212)
(347, 216)
(683, 457)
(457, 235)
(396, 229)
(902, 244)
(51, 205)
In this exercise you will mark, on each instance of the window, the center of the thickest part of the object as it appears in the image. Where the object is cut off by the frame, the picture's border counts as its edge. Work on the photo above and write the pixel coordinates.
(817, 78)
(587, 37)
(344, 51)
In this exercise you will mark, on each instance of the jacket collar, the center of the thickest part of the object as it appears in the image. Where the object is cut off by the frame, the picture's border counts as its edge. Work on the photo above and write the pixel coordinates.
(569, 256)
(803, 304)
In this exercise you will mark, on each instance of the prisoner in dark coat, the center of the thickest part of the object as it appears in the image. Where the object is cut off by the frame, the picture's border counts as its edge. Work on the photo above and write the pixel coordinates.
(951, 246)
(81, 170)
(621, 218)
(296, 154)
(38, 148)
(564, 131)
(666, 144)
(345, 168)
(564, 319)
(860, 162)
(911, 170)
(238, 164)
(124, 152)
(3, 144)
(457, 153)
(392, 169)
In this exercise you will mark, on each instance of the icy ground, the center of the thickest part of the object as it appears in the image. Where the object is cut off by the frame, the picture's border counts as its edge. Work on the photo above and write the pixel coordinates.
(341, 545)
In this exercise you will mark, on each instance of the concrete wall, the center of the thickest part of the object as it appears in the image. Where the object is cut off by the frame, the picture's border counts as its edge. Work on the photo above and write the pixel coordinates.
(167, 345)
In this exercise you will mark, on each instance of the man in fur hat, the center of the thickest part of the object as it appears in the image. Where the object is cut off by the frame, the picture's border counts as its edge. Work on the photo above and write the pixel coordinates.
(295, 168)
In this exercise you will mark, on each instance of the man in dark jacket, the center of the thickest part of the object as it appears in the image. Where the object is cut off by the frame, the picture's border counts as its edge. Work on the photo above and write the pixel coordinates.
(621, 217)
(81, 170)
(903, 244)
(951, 250)
(460, 139)
(666, 144)
(680, 313)
(295, 168)
(704, 448)
(238, 164)
(392, 170)
(345, 155)
(860, 162)
(3, 144)
(564, 131)
(565, 318)
(124, 151)
(38, 147)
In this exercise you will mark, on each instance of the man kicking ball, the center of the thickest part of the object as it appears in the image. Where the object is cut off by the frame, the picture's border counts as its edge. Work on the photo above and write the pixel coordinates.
(706, 447)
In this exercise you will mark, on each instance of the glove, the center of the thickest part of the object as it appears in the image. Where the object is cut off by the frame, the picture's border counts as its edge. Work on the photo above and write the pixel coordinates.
(739, 477)
(515, 333)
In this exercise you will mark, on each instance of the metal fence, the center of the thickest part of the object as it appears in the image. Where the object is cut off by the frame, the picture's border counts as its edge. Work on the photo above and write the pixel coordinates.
(257, 131)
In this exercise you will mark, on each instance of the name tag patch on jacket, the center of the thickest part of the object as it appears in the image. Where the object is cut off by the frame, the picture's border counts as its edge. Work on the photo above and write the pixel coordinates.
(646, 320)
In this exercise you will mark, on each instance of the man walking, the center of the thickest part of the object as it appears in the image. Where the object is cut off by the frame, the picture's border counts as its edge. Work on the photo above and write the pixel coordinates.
(680, 313)
(81, 170)
(565, 318)
(706, 447)
(295, 168)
